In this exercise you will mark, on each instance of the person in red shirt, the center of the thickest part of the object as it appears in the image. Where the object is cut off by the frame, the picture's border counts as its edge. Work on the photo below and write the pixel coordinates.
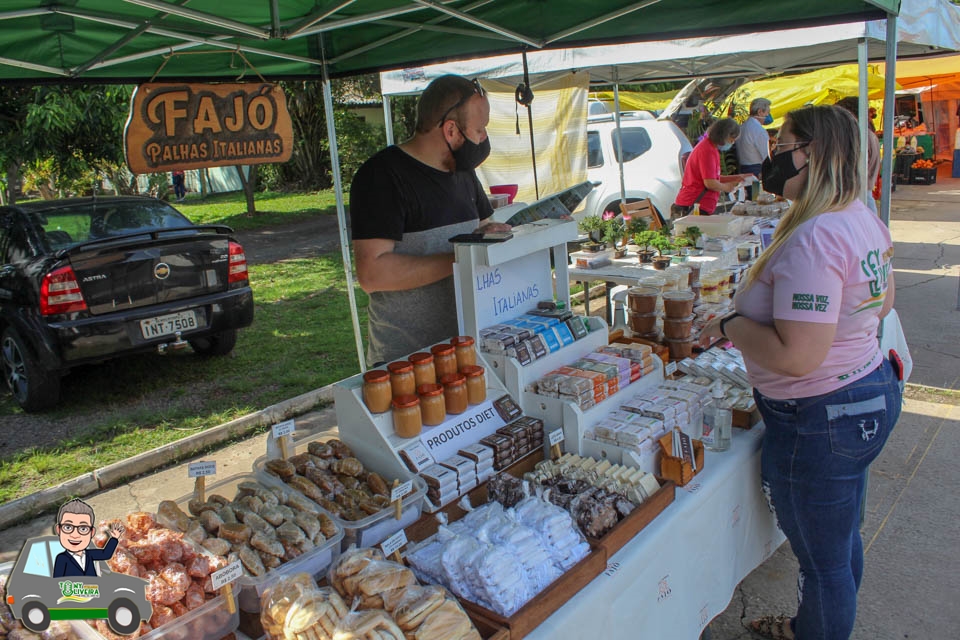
(702, 182)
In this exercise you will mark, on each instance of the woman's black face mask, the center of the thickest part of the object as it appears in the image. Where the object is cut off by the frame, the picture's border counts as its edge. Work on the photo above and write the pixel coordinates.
(777, 170)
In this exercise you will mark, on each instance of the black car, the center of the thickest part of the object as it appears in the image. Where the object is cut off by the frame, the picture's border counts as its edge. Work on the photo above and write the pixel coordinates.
(87, 280)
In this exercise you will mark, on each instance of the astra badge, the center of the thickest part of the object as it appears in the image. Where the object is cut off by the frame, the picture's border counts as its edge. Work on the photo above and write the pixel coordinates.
(161, 271)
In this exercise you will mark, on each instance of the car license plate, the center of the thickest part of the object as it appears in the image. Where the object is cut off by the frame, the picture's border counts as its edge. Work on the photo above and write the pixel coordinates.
(165, 325)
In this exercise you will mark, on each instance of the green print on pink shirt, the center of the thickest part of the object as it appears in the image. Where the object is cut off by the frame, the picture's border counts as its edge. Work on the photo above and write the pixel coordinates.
(810, 302)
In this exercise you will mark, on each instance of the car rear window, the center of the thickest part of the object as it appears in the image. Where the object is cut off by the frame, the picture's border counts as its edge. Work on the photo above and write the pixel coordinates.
(594, 152)
(636, 142)
(70, 225)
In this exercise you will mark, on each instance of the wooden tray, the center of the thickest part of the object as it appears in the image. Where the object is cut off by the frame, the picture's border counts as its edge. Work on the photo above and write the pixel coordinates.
(745, 419)
(488, 630)
(542, 606)
(625, 530)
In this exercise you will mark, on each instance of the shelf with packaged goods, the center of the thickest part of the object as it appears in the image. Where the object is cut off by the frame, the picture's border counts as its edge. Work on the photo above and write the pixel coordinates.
(499, 281)
(372, 438)
(576, 421)
(516, 376)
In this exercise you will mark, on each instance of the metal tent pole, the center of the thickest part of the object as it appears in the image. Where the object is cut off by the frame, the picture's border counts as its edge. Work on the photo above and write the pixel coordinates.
(388, 119)
(865, 191)
(616, 119)
(886, 168)
(341, 214)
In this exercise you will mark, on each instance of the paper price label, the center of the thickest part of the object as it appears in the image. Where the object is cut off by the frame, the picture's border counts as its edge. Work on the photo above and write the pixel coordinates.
(670, 369)
(226, 575)
(399, 491)
(284, 428)
(202, 468)
(556, 436)
(394, 542)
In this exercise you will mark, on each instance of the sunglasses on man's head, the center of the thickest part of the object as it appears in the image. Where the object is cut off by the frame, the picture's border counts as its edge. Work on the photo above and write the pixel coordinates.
(477, 89)
(82, 529)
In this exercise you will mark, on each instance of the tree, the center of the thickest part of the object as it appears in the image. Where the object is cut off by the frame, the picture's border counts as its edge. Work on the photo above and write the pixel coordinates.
(70, 130)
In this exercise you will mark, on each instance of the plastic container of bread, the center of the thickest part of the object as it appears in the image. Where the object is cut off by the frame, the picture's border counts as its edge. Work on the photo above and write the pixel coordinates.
(314, 562)
(370, 530)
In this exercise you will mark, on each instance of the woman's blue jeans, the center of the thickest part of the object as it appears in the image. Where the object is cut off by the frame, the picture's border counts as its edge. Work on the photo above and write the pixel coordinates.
(814, 469)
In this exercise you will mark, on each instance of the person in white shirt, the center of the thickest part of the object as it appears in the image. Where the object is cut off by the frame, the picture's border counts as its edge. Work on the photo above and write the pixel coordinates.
(753, 146)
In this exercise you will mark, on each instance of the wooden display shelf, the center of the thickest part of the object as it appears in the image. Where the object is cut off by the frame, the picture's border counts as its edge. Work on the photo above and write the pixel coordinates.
(625, 530)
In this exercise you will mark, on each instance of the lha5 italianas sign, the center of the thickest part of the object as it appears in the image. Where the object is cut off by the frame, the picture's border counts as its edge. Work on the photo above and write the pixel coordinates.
(189, 126)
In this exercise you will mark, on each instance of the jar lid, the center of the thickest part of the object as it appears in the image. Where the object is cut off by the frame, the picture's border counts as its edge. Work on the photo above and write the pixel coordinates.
(634, 314)
(442, 349)
(642, 292)
(430, 389)
(376, 375)
(472, 370)
(689, 318)
(690, 339)
(462, 341)
(453, 380)
(685, 294)
(421, 358)
(406, 401)
(400, 366)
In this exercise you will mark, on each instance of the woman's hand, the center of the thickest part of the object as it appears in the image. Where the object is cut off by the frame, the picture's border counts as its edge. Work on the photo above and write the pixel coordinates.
(711, 332)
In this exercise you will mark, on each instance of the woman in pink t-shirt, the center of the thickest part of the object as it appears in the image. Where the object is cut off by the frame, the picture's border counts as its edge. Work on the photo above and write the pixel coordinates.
(702, 182)
(806, 322)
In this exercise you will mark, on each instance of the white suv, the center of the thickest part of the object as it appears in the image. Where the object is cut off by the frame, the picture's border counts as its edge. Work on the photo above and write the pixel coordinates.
(654, 154)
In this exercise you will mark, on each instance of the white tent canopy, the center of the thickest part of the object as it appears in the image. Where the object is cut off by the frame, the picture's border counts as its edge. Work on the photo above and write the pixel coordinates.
(924, 28)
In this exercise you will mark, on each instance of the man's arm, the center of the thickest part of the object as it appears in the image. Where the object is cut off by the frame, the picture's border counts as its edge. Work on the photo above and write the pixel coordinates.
(380, 269)
(103, 554)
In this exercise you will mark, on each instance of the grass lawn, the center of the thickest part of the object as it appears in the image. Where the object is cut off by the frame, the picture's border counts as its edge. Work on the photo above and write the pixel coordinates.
(273, 208)
(301, 339)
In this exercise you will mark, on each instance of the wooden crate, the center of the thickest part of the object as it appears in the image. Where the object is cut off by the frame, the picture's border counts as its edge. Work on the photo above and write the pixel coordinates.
(625, 530)
(542, 606)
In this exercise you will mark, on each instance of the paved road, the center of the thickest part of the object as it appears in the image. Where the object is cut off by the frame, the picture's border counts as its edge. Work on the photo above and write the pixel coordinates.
(306, 239)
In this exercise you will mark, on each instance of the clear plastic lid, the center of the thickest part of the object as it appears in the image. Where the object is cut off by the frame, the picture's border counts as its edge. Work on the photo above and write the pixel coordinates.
(686, 294)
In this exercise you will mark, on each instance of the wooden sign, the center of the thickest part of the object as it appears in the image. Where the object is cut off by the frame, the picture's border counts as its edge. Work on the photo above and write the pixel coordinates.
(189, 126)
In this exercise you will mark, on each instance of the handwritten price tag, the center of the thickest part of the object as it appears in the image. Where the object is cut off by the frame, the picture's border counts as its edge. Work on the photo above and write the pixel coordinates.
(394, 543)
(284, 428)
(202, 468)
(556, 437)
(670, 369)
(401, 490)
(226, 575)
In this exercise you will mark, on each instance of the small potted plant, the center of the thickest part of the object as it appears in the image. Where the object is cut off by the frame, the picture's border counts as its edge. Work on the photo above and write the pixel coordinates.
(591, 226)
(614, 235)
(693, 234)
(662, 243)
(645, 242)
(683, 245)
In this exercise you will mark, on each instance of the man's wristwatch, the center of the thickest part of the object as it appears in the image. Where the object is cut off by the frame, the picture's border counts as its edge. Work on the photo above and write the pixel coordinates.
(724, 321)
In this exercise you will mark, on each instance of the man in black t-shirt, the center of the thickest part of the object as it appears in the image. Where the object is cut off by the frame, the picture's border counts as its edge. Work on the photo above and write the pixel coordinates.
(405, 203)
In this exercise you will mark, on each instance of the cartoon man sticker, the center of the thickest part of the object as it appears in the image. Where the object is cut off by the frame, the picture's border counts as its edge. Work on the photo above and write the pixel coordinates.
(75, 529)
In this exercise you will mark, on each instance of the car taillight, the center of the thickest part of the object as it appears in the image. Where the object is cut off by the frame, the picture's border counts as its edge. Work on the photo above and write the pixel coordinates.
(238, 264)
(60, 292)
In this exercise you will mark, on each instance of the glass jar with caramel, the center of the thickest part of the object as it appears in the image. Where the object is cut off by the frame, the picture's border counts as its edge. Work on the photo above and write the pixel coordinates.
(455, 392)
(377, 391)
(402, 380)
(407, 422)
(423, 369)
(476, 383)
(444, 360)
(433, 406)
(466, 351)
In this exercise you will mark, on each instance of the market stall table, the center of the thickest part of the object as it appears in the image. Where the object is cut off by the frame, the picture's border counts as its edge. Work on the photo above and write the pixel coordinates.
(628, 271)
(682, 569)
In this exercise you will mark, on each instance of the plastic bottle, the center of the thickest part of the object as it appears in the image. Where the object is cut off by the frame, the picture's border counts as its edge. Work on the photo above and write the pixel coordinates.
(717, 421)
(696, 209)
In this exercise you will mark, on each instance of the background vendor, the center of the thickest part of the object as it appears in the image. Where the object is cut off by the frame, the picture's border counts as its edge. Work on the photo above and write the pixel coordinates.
(753, 145)
(702, 182)
(405, 203)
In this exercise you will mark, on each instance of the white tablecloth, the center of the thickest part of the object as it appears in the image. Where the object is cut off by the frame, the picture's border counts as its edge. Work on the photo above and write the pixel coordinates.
(681, 570)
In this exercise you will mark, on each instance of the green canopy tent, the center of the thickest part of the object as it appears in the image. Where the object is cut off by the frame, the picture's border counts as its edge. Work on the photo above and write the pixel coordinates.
(136, 40)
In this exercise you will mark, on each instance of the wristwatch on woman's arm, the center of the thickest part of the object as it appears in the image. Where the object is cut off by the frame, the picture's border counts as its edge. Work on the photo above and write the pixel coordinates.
(724, 321)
